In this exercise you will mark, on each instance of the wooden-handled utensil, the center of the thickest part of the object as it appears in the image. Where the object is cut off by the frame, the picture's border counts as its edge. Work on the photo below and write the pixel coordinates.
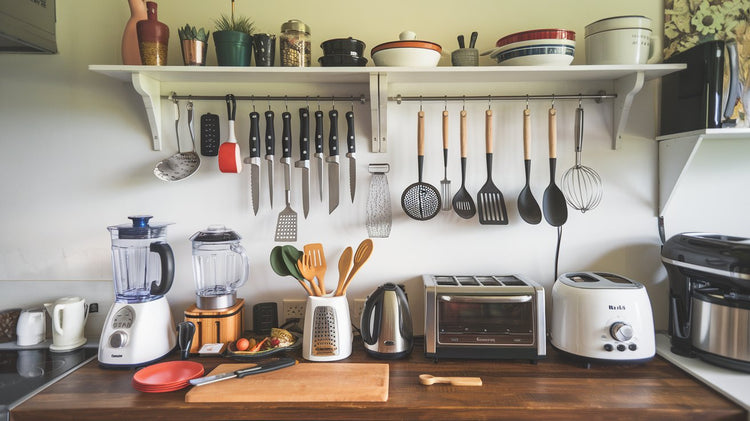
(364, 250)
(306, 269)
(528, 207)
(463, 204)
(428, 379)
(345, 263)
(554, 206)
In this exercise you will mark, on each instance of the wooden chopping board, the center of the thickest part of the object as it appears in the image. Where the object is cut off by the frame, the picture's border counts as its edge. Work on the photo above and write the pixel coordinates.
(304, 382)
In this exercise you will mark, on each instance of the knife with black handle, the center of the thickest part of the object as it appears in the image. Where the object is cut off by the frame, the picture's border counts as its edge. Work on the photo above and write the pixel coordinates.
(333, 161)
(270, 140)
(319, 148)
(304, 160)
(286, 148)
(254, 160)
(350, 152)
(260, 368)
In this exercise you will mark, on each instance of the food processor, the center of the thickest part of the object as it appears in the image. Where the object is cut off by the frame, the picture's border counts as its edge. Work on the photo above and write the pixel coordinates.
(139, 328)
(220, 267)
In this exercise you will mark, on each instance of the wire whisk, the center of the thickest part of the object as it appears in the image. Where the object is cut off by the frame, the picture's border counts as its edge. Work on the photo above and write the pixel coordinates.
(581, 185)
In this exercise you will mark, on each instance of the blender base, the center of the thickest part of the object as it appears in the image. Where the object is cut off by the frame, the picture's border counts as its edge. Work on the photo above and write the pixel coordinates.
(216, 326)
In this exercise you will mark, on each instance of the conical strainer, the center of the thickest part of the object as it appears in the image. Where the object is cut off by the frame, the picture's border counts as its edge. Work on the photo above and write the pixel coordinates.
(581, 185)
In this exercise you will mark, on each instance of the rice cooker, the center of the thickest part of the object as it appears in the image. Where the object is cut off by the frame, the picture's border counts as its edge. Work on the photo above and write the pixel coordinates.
(601, 316)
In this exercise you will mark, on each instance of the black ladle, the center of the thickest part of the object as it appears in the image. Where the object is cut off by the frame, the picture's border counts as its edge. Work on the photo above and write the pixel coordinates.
(553, 203)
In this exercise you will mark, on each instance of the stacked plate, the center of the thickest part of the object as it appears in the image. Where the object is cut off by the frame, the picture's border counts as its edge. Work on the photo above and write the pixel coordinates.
(538, 47)
(166, 377)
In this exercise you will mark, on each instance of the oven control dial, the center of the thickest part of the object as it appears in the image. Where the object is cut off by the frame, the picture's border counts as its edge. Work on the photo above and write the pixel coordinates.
(118, 339)
(621, 331)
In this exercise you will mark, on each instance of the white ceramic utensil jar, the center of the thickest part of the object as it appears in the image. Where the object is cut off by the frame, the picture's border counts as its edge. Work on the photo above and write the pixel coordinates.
(619, 40)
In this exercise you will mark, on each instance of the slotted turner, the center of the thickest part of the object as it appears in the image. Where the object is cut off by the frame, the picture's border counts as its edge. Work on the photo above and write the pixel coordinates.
(286, 225)
(490, 201)
(463, 204)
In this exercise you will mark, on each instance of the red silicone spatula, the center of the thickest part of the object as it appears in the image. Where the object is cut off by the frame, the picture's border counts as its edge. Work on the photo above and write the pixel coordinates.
(229, 151)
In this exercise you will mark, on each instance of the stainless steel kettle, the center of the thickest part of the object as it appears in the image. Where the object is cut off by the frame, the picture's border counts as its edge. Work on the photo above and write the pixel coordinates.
(386, 324)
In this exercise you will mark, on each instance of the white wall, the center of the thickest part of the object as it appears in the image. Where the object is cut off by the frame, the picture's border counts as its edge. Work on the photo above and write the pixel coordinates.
(76, 157)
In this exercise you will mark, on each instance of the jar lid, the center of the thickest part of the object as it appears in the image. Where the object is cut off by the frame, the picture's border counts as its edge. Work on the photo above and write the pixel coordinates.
(295, 25)
(618, 22)
(139, 228)
(215, 234)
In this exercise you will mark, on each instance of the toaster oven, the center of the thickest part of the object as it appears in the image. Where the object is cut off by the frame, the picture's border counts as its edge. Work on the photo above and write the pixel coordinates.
(483, 317)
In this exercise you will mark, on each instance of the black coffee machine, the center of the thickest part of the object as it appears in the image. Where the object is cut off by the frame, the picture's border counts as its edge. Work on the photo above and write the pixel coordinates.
(709, 297)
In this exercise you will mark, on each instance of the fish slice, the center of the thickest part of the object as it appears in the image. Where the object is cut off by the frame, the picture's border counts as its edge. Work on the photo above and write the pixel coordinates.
(286, 224)
(318, 261)
(490, 201)
(229, 151)
(463, 204)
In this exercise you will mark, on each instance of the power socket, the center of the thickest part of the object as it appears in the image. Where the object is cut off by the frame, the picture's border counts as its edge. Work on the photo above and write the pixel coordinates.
(294, 309)
(358, 306)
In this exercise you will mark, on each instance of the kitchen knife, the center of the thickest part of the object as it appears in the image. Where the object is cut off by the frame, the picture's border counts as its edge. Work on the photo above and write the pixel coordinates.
(270, 140)
(333, 162)
(260, 368)
(304, 160)
(286, 148)
(351, 153)
(319, 148)
(254, 160)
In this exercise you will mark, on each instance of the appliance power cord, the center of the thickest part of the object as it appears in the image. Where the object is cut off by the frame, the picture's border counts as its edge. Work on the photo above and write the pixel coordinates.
(557, 248)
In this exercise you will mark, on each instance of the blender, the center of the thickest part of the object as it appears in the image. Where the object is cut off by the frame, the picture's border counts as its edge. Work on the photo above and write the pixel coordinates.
(220, 267)
(139, 328)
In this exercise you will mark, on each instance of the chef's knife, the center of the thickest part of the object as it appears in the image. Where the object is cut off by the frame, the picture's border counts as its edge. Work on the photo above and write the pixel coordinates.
(319, 148)
(286, 148)
(254, 160)
(351, 153)
(333, 162)
(260, 368)
(304, 160)
(270, 140)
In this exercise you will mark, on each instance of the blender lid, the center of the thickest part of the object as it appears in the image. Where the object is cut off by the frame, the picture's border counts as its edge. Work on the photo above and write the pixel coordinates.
(139, 228)
(215, 234)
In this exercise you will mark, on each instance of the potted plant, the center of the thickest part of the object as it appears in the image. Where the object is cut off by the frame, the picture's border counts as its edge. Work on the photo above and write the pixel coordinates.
(233, 40)
(194, 44)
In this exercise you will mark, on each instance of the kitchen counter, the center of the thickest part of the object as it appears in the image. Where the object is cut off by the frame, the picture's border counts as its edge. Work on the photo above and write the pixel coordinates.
(555, 388)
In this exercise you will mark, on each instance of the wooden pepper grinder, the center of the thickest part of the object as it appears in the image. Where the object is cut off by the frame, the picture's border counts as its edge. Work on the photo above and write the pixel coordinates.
(131, 54)
(153, 38)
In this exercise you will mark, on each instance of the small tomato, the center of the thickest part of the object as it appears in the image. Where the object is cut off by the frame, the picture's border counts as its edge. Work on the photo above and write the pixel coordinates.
(242, 344)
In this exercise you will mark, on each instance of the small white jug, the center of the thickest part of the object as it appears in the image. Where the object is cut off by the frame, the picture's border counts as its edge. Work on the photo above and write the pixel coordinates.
(69, 316)
(31, 327)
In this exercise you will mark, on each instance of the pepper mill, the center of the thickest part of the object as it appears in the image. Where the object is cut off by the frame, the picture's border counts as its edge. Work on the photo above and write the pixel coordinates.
(153, 38)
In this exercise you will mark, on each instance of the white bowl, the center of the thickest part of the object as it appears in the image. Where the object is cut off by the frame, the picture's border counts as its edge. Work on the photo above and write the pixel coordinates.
(619, 40)
(406, 57)
(537, 55)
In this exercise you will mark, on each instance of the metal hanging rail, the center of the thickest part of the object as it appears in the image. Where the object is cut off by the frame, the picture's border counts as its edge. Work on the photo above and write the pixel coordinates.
(260, 98)
(598, 97)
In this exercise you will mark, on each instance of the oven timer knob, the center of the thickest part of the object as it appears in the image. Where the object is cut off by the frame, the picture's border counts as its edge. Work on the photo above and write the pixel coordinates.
(621, 331)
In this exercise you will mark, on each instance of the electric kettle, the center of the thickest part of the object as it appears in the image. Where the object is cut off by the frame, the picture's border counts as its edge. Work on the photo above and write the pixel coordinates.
(386, 324)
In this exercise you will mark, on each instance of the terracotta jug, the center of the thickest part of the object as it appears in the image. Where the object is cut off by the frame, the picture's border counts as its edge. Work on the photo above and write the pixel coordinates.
(131, 55)
(153, 38)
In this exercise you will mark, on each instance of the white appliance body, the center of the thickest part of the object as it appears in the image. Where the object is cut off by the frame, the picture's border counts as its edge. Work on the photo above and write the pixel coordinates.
(603, 317)
(137, 333)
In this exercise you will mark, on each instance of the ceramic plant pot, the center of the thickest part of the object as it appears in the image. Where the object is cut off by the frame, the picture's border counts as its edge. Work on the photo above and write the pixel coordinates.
(233, 48)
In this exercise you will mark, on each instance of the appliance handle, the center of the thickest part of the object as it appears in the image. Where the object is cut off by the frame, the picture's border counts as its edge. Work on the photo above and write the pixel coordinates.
(167, 267)
(373, 303)
(244, 262)
(505, 299)
(733, 93)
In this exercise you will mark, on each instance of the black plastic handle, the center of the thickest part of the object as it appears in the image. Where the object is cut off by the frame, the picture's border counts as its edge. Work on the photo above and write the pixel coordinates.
(318, 131)
(473, 39)
(263, 368)
(231, 106)
(374, 304)
(166, 257)
(350, 132)
(304, 134)
(270, 133)
(333, 137)
(185, 334)
(286, 135)
(461, 41)
(254, 134)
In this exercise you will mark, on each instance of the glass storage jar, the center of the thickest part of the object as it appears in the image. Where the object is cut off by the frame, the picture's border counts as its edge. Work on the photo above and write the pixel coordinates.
(295, 44)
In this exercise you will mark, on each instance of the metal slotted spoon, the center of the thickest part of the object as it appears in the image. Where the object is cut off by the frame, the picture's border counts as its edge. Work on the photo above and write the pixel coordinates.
(582, 185)
(182, 164)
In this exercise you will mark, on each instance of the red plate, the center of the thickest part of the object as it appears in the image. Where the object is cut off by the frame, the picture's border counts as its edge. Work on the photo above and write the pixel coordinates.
(536, 34)
(168, 374)
(145, 389)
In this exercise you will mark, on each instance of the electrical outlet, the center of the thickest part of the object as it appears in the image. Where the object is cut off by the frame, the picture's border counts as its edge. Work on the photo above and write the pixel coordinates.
(358, 306)
(294, 309)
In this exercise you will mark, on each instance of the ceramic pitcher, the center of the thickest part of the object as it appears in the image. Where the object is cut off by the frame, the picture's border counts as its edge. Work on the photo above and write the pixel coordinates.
(69, 316)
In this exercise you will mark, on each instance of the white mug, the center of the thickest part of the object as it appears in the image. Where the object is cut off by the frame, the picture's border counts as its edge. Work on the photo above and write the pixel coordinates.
(31, 327)
(69, 316)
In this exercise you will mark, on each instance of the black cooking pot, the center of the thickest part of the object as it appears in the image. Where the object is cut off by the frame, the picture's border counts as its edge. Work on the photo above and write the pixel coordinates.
(342, 60)
(348, 46)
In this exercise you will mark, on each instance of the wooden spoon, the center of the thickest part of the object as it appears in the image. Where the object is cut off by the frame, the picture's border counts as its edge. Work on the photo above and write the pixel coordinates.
(318, 260)
(304, 264)
(360, 257)
(345, 262)
(428, 379)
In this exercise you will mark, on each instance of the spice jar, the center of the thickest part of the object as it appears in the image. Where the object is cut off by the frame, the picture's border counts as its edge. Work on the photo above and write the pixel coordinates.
(294, 44)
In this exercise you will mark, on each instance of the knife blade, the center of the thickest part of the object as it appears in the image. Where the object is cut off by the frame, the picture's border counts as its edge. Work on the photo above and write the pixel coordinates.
(254, 161)
(351, 153)
(270, 140)
(260, 368)
(333, 162)
(304, 161)
(319, 148)
(286, 148)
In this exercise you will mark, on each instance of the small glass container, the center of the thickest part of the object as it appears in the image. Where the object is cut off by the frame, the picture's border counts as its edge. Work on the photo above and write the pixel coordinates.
(295, 44)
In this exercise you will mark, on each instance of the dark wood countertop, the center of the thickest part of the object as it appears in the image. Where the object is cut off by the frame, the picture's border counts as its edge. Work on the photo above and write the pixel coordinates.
(556, 388)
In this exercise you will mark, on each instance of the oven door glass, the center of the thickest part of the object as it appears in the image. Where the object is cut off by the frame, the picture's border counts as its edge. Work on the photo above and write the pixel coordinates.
(489, 320)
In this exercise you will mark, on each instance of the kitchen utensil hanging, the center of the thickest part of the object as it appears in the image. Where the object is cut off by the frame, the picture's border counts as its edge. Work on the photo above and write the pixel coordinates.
(229, 151)
(445, 184)
(581, 184)
(528, 207)
(379, 214)
(286, 224)
(463, 204)
(420, 201)
(490, 201)
(182, 164)
(553, 202)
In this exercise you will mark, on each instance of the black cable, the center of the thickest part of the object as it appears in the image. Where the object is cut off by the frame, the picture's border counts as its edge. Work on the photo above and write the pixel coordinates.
(557, 249)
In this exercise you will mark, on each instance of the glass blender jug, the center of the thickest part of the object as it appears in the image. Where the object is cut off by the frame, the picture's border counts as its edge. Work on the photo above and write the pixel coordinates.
(220, 267)
(140, 256)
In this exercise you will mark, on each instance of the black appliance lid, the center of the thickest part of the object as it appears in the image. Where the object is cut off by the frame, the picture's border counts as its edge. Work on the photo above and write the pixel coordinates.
(716, 254)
